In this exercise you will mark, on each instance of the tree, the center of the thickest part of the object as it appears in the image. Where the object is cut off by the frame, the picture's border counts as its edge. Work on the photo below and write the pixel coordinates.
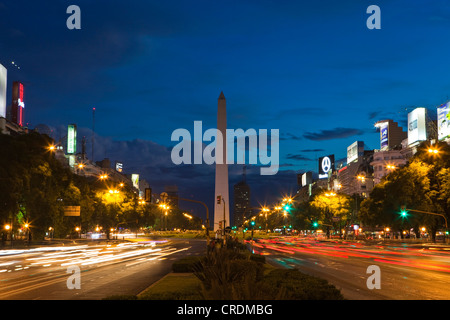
(423, 184)
(333, 210)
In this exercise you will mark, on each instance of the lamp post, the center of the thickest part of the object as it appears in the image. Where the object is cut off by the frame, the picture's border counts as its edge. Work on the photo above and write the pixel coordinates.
(78, 230)
(8, 229)
(164, 207)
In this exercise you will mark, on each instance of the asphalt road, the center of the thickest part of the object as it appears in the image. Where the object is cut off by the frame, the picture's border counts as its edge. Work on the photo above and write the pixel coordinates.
(407, 271)
(47, 272)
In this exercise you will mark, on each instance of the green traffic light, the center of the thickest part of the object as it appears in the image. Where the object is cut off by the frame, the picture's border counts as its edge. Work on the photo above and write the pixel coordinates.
(315, 224)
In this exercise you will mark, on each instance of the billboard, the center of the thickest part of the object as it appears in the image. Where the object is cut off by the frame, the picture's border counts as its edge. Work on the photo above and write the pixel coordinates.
(3, 85)
(443, 121)
(72, 211)
(326, 165)
(417, 126)
(72, 139)
(135, 180)
(306, 178)
(354, 151)
(119, 166)
(18, 104)
(384, 135)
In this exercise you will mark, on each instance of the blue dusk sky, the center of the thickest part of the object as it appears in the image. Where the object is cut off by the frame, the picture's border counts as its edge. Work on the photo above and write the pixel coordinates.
(311, 69)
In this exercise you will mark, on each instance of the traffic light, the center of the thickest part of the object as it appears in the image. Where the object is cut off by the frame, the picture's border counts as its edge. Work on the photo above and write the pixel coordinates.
(220, 224)
(315, 224)
(403, 212)
(287, 208)
(252, 223)
(219, 198)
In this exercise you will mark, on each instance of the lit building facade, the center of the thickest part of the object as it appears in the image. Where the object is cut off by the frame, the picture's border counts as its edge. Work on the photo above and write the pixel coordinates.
(242, 207)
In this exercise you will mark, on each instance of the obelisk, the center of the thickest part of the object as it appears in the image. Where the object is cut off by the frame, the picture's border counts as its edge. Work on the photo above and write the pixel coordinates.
(222, 204)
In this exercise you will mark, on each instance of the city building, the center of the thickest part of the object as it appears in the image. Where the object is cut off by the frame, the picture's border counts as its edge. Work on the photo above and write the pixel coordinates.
(357, 176)
(242, 207)
(172, 193)
(391, 134)
(12, 119)
(385, 161)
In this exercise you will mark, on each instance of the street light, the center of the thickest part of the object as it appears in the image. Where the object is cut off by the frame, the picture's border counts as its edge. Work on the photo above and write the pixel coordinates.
(433, 150)
(164, 207)
(77, 229)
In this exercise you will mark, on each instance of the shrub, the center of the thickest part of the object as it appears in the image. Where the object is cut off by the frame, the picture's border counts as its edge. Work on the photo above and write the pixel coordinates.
(186, 264)
(258, 258)
(299, 286)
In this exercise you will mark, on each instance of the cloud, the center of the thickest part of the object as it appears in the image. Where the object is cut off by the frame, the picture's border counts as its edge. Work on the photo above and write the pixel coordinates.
(289, 136)
(336, 133)
(312, 150)
(298, 157)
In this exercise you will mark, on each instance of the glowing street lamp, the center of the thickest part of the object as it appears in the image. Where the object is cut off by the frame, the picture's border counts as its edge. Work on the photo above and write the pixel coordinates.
(433, 151)
(187, 216)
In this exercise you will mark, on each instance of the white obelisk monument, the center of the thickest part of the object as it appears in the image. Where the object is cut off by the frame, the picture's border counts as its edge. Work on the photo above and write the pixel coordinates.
(221, 200)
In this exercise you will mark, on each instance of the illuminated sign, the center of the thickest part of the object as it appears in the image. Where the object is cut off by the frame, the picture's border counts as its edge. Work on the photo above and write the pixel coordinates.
(326, 166)
(72, 139)
(18, 104)
(417, 127)
(384, 135)
(3, 85)
(443, 121)
(355, 150)
(135, 180)
(306, 178)
(72, 211)
(119, 166)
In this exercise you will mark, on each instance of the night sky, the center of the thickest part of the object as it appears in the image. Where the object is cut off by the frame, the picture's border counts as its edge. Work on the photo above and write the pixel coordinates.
(311, 69)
